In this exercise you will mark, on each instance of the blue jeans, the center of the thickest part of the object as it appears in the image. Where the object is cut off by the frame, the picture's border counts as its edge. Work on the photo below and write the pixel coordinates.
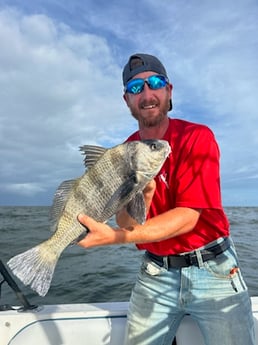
(213, 294)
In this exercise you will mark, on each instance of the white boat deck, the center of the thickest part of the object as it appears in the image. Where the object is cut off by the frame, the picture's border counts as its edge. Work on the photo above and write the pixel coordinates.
(80, 324)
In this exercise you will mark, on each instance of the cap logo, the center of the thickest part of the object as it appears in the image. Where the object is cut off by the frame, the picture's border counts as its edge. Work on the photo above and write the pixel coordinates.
(135, 62)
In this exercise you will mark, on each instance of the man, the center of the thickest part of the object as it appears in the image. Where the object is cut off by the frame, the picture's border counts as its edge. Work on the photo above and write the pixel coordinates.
(190, 264)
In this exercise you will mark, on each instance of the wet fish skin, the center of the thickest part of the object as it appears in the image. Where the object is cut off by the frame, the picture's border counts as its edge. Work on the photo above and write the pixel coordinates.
(115, 178)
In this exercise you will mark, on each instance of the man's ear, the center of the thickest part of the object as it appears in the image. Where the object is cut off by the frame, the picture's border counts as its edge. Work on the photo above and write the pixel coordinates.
(125, 96)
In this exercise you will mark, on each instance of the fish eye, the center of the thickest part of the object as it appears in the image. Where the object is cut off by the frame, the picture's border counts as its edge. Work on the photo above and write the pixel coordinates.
(153, 146)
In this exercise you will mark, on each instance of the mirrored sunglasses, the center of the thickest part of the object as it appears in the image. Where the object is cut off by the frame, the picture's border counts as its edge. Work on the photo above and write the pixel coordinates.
(154, 82)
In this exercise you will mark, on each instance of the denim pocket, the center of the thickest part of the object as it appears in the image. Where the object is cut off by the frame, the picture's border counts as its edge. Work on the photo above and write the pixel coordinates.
(150, 267)
(226, 267)
(222, 265)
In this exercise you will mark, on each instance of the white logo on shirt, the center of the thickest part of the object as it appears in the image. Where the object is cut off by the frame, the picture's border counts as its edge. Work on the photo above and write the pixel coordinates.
(163, 178)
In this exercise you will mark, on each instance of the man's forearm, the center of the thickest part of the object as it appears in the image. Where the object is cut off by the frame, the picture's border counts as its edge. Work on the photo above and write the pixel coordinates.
(169, 224)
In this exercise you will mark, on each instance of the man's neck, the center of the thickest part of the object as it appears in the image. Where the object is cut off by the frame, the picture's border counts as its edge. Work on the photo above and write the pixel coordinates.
(155, 132)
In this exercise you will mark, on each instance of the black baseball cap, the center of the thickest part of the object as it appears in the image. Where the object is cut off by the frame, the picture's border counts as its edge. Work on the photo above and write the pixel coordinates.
(138, 63)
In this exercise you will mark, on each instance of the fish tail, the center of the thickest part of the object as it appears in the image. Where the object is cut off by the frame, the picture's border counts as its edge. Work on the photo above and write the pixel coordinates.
(35, 267)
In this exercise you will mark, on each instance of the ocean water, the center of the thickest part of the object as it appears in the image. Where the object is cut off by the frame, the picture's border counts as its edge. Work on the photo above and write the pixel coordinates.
(103, 274)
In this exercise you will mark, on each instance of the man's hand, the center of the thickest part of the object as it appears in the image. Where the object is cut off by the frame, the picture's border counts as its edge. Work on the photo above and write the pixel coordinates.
(99, 234)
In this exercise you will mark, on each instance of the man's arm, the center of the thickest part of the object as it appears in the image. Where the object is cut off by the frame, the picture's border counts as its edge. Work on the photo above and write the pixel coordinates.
(172, 223)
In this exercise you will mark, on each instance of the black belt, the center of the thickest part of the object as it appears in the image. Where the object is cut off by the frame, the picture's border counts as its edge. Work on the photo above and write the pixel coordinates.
(190, 259)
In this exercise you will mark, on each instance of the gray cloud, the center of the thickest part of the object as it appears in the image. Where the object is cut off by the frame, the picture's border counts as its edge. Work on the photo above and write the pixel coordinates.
(60, 85)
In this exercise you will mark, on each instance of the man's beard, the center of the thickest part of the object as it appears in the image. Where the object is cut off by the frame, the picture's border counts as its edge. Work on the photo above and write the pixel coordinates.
(150, 121)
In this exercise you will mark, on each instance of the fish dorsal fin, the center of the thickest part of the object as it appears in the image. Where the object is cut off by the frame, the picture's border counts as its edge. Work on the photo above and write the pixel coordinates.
(136, 208)
(92, 154)
(60, 199)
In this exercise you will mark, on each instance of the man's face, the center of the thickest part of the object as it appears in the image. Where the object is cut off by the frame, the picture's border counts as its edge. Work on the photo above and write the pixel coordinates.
(150, 106)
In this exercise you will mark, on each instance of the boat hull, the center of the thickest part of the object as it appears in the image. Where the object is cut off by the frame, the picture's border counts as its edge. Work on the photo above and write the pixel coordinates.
(97, 324)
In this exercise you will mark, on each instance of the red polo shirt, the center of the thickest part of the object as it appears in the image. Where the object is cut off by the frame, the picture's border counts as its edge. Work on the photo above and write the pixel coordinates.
(190, 177)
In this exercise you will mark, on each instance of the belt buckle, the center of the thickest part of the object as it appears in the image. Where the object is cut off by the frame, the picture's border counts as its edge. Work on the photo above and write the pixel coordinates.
(192, 259)
(189, 259)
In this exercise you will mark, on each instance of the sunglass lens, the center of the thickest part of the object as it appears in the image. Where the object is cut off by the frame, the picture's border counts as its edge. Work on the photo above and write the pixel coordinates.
(135, 86)
(157, 82)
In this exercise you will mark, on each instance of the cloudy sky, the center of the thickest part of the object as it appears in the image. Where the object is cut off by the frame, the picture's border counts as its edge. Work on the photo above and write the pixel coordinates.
(60, 84)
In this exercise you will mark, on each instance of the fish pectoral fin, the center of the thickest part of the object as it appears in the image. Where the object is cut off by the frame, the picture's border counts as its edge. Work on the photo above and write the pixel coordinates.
(92, 154)
(136, 208)
(60, 199)
(122, 192)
